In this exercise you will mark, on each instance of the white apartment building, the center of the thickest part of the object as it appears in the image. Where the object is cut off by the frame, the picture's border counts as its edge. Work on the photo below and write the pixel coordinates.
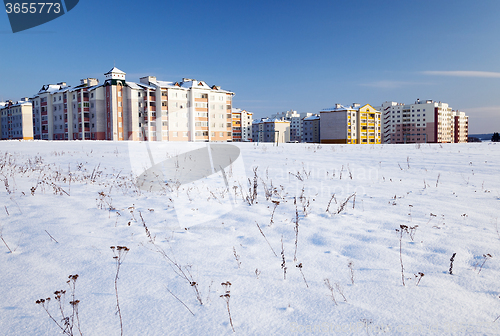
(242, 125)
(151, 110)
(16, 120)
(460, 126)
(423, 121)
(189, 110)
(271, 130)
(296, 123)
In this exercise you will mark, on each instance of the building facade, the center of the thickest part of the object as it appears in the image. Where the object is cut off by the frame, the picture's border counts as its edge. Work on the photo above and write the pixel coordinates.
(271, 130)
(350, 125)
(460, 125)
(312, 129)
(16, 121)
(296, 123)
(421, 122)
(242, 125)
(150, 110)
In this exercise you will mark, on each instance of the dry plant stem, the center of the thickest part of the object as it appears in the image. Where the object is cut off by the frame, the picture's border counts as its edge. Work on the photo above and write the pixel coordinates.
(299, 266)
(263, 235)
(226, 296)
(179, 300)
(341, 207)
(402, 228)
(237, 257)
(339, 289)
(437, 181)
(330, 202)
(42, 301)
(486, 256)
(68, 322)
(452, 259)
(327, 283)
(350, 265)
(296, 231)
(1, 237)
(420, 275)
(119, 254)
(276, 203)
(74, 303)
(51, 237)
(283, 261)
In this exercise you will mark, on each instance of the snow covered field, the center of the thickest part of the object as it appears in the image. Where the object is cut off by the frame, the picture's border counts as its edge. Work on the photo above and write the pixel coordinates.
(289, 265)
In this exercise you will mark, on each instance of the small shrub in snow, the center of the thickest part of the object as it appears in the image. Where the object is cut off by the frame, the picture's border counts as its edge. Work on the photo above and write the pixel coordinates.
(68, 322)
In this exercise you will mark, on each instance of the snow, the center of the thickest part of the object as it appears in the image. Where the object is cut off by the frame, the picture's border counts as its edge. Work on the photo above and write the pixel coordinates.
(64, 204)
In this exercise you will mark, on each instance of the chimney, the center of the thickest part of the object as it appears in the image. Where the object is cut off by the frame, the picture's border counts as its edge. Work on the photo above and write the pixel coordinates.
(148, 79)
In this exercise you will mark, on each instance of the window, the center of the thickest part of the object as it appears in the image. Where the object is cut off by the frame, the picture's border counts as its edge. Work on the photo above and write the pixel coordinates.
(185, 134)
(175, 133)
(119, 93)
(119, 104)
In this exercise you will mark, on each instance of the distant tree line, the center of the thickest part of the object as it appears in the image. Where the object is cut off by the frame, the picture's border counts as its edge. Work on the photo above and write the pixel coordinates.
(495, 137)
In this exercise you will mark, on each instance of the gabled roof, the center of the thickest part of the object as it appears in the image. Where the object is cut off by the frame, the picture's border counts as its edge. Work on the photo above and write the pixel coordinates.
(51, 88)
(115, 70)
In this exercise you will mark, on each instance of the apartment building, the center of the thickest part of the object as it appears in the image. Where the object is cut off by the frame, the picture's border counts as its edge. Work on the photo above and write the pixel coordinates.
(296, 123)
(423, 121)
(189, 110)
(460, 126)
(150, 110)
(312, 129)
(242, 125)
(350, 125)
(16, 120)
(271, 130)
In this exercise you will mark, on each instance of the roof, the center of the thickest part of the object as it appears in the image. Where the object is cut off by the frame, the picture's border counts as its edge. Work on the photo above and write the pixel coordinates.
(269, 120)
(51, 88)
(313, 117)
(115, 70)
(338, 107)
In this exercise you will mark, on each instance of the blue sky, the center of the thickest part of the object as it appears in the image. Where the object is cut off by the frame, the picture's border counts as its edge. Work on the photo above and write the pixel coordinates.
(276, 55)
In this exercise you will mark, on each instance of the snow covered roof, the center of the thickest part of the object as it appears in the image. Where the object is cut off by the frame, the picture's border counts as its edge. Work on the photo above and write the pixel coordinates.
(313, 117)
(269, 120)
(338, 107)
(164, 84)
(51, 88)
(115, 70)
(134, 86)
(193, 83)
